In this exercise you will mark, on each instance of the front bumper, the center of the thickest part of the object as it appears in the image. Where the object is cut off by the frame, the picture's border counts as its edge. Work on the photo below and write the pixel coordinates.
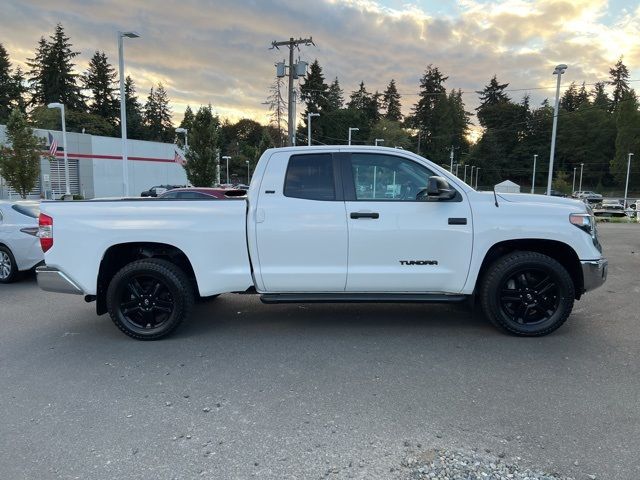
(594, 273)
(53, 280)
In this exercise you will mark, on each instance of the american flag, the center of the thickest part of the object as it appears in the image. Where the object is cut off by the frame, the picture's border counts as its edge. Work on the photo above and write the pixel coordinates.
(178, 158)
(53, 145)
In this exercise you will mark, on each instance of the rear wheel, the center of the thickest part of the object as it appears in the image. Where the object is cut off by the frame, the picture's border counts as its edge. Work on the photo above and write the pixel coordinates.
(527, 294)
(8, 267)
(148, 299)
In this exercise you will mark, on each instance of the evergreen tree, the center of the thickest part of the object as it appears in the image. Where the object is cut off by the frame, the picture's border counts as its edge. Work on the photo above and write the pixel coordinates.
(600, 98)
(335, 96)
(157, 115)
(570, 100)
(627, 138)
(314, 90)
(100, 80)
(135, 118)
(52, 72)
(187, 119)
(37, 73)
(583, 96)
(6, 85)
(391, 102)
(619, 75)
(431, 115)
(200, 165)
(359, 99)
(20, 162)
(492, 95)
(20, 90)
(367, 103)
(186, 123)
(391, 132)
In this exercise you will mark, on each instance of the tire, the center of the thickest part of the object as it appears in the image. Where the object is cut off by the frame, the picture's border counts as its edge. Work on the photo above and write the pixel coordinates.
(527, 294)
(8, 267)
(148, 299)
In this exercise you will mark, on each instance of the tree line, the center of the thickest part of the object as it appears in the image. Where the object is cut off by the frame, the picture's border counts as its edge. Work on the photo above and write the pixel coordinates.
(598, 125)
(595, 128)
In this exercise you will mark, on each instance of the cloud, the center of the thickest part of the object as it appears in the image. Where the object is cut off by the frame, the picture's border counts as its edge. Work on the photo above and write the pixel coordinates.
(218, 52)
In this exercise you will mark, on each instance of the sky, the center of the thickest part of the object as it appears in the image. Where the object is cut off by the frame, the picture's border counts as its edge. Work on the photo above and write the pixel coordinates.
(218, 51)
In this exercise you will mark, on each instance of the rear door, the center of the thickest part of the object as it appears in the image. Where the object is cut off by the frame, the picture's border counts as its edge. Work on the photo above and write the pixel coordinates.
(300, 224)
(396, 242)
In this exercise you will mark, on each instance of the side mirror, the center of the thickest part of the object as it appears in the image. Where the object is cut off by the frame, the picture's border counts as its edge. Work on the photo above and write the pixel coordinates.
(437, 189)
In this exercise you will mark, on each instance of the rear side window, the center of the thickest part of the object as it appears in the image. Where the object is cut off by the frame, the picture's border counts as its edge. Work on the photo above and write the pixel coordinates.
(30, 210)
(310, 177)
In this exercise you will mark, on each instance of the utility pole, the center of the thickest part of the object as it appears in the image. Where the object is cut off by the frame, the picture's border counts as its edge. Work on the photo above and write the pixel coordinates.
(293, 74)
(533, 178)
(419, 140)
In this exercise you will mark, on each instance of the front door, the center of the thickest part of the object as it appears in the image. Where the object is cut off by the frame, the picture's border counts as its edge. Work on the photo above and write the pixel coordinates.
(396, 242)
(301, 229)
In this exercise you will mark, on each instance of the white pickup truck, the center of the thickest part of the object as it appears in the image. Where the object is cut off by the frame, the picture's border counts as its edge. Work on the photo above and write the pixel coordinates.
(328, 224)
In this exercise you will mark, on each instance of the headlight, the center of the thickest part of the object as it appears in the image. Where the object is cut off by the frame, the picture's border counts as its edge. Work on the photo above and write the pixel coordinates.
(583, 221)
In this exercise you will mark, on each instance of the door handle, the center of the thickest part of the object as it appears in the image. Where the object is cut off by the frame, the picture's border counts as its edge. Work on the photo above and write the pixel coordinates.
(365, 215)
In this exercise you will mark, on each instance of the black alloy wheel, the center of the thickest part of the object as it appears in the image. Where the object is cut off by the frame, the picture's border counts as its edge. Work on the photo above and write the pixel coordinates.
(529, 296)
(145, 301)
(527, 293)
(148, 299)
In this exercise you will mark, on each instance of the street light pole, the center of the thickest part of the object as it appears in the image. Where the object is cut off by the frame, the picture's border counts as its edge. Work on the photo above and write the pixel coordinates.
(248, 172)
(471, 176)
(123, 111)
(581, 167)
(352, 129)
(309, 117)
(379, 140)
(477, 170)
(573, 187)
(626, 185)
(64, 146)
(559, 70)
(186, 136)
(457, 164)
(227, 158)
(464, 179)
(533, 178)
(451, 160)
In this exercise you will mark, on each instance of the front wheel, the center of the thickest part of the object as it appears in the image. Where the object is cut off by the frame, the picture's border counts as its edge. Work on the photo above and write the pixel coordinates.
(148, 299)
(527, 294)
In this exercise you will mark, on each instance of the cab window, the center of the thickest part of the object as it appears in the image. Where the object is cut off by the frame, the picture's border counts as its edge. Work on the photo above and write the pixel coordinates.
(386, 177)
(310, 177)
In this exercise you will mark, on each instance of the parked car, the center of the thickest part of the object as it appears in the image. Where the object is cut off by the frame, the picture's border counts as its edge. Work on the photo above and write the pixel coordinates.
(556, 193)
(19, 246)
(204, 193)
(609, 208)
(306, 234)
(589, 196)
(158, 190)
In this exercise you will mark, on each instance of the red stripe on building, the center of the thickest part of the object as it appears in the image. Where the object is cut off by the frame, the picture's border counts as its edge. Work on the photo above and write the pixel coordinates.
(113, 157)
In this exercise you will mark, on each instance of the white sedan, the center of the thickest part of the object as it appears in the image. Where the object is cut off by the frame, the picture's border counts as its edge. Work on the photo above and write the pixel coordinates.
(19, 246)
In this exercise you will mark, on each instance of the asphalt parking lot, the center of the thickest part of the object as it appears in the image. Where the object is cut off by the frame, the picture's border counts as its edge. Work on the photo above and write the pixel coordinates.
(338, 391)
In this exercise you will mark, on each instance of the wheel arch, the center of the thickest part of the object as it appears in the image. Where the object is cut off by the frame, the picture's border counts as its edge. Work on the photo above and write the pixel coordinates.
(119, 255)
(559, 251)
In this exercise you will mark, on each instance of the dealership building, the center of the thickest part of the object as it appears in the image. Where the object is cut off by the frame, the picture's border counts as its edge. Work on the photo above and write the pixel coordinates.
(95, 166)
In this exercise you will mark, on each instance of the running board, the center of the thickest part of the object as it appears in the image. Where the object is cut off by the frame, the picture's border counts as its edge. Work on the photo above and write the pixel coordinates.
(361, 298)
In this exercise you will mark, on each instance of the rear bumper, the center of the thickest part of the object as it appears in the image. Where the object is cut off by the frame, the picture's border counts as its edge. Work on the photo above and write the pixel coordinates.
(53, 280)
(594, 273)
